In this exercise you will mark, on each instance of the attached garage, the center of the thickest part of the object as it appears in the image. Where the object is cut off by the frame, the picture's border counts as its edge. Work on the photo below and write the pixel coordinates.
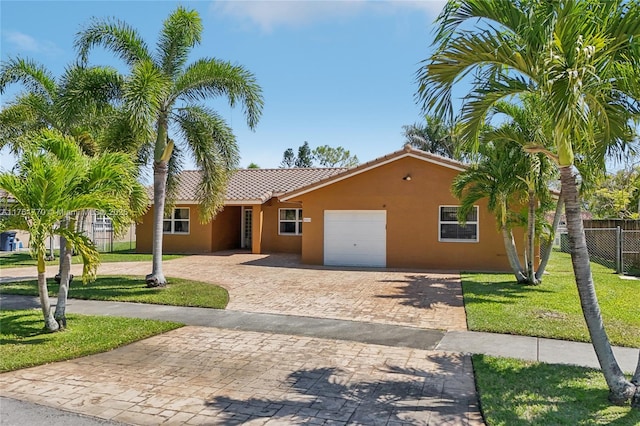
(355, 238)
(397, 212)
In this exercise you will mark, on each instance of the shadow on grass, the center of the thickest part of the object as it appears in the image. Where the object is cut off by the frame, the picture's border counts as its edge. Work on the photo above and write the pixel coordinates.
(334, 395)
(515, 392)
(424, 291)
(497, 291)
(23, 327)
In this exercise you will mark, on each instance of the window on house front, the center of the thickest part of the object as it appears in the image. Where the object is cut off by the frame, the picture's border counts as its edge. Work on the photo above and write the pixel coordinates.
(452, 230)
(177, 222)
(290, 222)
(102, 222)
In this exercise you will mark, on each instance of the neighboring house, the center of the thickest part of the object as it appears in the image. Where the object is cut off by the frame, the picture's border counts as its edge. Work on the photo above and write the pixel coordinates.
(396, 211)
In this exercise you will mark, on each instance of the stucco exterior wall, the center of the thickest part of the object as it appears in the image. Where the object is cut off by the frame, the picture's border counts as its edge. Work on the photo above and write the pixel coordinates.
(412, 208)
(225, 229)
(272, 241)
(198, 240)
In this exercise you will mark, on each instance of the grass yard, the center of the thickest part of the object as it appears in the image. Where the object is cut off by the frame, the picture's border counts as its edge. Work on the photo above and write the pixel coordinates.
(23, 343)
(22, 259)
(495, 303)
(514, 392)
(179, 292)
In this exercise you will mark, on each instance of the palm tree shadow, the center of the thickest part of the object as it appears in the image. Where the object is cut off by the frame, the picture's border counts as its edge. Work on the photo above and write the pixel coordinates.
(549, 390)
(501, 292)
(426, 292)
(404, 395)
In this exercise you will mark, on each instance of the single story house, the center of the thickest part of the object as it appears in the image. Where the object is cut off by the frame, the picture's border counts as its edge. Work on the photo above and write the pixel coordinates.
(396, 211)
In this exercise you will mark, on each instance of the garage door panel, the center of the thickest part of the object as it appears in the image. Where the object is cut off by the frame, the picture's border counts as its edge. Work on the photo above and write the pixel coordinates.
(355, 238)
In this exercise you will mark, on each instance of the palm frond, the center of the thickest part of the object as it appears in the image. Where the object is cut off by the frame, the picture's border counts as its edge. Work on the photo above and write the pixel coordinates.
(208, 78)
(215, 151)
(35, 77)
(181, 31)
(114, 35)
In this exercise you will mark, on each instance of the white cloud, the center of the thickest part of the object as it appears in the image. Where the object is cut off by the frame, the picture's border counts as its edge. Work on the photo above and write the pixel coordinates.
(25, 43)
(296, 13)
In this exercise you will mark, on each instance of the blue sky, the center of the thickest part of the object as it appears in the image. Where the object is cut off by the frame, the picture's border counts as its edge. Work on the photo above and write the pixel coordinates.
(338, 73)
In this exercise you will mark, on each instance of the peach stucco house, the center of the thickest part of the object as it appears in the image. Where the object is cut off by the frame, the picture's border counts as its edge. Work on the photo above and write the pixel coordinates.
(396, 211)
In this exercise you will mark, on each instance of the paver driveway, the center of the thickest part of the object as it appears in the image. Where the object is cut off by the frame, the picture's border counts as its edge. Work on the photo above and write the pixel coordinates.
(280, 284)
(203, 375)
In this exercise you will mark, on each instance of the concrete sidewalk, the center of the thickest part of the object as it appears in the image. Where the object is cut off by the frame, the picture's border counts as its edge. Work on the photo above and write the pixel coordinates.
(465, 342)
(232, 367)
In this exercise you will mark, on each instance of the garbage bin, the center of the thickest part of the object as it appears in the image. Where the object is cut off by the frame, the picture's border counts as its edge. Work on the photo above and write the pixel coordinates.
(7, 240)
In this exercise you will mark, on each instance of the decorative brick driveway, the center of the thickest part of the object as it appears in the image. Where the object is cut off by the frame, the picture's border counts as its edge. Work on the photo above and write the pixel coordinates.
(199, 375)
(279, 284)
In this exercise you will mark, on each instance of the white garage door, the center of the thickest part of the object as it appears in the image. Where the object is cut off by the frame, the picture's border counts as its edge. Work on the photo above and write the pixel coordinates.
(355, 238)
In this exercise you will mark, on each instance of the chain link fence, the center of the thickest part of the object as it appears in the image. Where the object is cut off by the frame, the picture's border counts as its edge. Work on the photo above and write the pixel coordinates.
(615, 248)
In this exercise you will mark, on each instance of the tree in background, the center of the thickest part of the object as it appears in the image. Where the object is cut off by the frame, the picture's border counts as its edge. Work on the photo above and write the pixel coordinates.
(253, 166)
(54, 181)
(334, 157)
(288, 159)
(435, 135)
(615, 196)
(304, 158)
(582, 58)
(326, 156)
(162, 93)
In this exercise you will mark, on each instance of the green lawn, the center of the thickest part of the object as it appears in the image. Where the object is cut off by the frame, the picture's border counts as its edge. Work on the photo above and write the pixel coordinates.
(514, 392)
(495, 303)
(179, 292)
(23, 343)
(22, 259)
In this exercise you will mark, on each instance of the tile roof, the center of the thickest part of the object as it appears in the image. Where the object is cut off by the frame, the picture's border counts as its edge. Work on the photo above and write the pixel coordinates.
(257, 185)
(406, 151)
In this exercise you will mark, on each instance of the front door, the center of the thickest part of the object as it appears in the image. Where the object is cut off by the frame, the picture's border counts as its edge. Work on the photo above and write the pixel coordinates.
(247, 216)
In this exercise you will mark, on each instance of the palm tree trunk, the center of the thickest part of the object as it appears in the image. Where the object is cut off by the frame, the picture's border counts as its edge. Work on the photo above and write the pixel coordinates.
(49, 322)
(531, 239)
(512, 255)
(546, 254)
(635, 401)
(65, 282)
(160, 170)
(620, 389)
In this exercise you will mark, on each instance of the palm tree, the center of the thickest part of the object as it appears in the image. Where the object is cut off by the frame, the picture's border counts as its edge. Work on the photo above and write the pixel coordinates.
(528, 125)
(434, 135)
(161, 94)
(55, 181)
(581, 57)
(492, 178)
(79, 104)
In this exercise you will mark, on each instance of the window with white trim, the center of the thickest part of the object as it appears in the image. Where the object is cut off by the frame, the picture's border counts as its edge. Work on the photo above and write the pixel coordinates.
(102, 222)
(177, 222)
(290, 221)
(452, 230)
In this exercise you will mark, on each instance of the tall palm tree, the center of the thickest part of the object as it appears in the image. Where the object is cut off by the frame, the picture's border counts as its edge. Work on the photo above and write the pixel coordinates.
(162, 94)
(582, 58)
(55, 181)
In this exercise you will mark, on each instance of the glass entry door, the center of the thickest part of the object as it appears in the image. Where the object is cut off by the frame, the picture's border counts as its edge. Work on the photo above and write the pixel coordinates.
(247, 217)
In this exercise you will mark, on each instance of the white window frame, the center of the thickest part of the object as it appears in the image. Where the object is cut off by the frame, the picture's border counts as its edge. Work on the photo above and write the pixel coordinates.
(469, 222)
(297, 221)
(102, 222)
(173, 221)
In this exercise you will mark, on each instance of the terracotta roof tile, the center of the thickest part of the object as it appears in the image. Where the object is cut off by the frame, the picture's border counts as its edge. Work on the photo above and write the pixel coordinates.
(256, 184)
